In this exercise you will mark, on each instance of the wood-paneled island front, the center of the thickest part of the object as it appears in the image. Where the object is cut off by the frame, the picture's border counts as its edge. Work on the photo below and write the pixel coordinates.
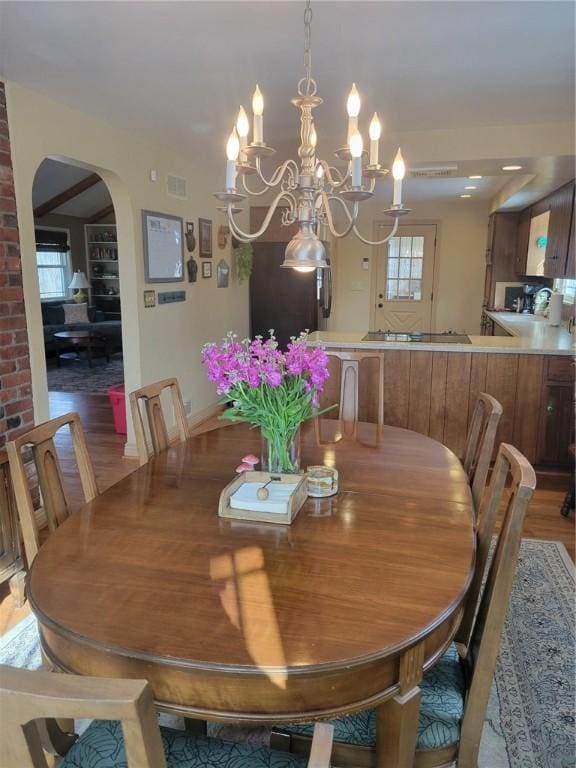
(432, 389)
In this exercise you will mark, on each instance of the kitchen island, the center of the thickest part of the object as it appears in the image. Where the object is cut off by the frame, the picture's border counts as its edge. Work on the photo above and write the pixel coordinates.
(432, 387)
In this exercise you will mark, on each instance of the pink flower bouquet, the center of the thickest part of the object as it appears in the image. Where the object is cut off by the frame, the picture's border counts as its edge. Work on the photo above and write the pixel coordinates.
(268, 388)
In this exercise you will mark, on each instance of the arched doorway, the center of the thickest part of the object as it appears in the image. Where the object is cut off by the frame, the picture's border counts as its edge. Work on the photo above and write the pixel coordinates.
(96, 228)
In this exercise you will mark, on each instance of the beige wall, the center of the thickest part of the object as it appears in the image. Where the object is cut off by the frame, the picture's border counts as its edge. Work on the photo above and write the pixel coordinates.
(459, 267)
(159, 342)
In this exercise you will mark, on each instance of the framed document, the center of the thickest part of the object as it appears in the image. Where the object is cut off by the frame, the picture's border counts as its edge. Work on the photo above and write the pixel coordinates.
(163, 247)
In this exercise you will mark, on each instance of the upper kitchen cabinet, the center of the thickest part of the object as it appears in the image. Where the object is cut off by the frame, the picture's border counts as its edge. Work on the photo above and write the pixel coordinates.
(548, 250)
(522, 241)
(500, 253)
(561, 207)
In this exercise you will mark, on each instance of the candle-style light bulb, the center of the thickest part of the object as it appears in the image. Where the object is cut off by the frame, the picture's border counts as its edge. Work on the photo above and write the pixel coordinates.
(398, 167)
(319, 172)
(242, 124)
(232, 151)
(313, 137)
(258, 102)
(398, 172)
(258, 109)
(375, 131)
(353, 109)
(233, 146)
(243, 128)
(356, 147)
(353, 103)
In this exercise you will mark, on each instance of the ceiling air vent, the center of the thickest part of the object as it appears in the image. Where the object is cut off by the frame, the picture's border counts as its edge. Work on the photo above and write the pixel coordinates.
(436, 172)
(176, 186)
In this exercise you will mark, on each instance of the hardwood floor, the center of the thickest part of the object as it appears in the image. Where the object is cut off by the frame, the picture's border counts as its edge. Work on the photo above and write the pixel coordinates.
(107, 451)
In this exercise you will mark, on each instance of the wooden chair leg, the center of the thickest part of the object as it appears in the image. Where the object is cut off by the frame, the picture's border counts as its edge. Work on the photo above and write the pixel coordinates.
(17, 584)
(397, 730)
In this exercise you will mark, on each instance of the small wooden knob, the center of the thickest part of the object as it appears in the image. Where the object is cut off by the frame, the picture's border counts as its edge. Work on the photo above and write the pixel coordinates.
(262, 494)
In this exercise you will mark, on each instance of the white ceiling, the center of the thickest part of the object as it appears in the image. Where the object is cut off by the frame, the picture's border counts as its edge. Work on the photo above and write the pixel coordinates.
(177, 71)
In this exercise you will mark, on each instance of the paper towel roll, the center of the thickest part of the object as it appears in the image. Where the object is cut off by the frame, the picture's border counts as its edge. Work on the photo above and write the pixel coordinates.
(555, 309)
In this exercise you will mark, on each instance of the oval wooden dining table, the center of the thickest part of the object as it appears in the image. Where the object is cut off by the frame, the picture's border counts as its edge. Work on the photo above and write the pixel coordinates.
(264, 623)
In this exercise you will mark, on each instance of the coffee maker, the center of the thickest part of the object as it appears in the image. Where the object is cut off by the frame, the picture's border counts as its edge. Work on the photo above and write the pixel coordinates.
(526, 300)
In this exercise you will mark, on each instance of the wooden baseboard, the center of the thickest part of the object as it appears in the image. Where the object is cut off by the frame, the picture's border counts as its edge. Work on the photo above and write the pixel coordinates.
(194, 421)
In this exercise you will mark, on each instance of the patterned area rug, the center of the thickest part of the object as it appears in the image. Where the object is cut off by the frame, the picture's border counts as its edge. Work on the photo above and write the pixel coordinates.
(530, 718)
(77, 376)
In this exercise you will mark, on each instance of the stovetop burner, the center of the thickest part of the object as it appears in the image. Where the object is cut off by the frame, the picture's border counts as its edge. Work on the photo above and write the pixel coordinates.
(418, 337)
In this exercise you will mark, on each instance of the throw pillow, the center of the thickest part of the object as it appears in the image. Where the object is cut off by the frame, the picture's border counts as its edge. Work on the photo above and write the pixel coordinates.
(54, 314)
(75, 313)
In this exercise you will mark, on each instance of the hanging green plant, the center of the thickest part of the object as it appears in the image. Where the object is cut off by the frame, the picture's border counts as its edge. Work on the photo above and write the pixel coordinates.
(245, 261)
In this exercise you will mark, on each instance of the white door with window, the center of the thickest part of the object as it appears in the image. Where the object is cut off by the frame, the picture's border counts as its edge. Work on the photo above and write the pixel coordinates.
(404, 279)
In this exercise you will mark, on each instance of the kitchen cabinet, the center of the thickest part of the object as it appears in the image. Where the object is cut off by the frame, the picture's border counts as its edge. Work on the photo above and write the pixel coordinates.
(434, 392)
(570, 270)
(522, 240)
(556, 423)
(561, 206)
(560, 249)
(500, 253)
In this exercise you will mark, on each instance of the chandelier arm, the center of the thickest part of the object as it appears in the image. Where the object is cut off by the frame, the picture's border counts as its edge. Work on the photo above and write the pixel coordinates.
(351, 216)
(251, 192)
(378, 242)
(247, 237)
(278, 175)
(336, 181)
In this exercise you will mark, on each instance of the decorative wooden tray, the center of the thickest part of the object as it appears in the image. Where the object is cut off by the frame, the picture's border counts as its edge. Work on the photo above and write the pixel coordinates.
(281, 507)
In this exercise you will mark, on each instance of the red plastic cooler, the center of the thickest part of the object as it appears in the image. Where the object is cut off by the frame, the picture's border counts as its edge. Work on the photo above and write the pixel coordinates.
(118, 403)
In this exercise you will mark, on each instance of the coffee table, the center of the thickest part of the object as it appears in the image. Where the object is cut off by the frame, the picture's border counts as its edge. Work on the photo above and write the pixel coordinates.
(80, 340)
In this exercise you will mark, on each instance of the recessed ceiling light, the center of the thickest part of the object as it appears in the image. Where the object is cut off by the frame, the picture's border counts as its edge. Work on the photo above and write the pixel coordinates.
(474, 177)
(471, 186)
(511, 167)
(465, 195)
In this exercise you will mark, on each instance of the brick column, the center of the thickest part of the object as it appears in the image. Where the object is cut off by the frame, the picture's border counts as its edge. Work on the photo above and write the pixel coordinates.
(16, 410)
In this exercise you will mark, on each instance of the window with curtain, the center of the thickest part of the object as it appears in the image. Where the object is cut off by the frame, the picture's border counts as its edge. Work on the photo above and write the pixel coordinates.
(53, 262)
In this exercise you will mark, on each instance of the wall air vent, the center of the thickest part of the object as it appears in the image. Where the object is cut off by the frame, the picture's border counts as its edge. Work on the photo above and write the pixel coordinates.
(437, 172)
(176, 186)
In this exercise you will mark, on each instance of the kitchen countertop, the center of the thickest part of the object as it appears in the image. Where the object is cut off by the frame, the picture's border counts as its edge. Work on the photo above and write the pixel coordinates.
(530, 335)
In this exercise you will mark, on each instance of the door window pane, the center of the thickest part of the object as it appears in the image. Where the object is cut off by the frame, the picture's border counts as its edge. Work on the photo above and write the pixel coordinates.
(404, 269)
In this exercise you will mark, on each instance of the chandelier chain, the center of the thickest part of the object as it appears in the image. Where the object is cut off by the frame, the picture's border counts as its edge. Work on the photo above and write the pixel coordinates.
(309, 83)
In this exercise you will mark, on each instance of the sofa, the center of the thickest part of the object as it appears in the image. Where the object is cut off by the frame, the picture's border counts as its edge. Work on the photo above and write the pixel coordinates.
(53, 322)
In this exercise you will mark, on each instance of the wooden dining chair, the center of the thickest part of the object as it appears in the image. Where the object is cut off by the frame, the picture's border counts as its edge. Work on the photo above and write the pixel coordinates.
(124, 728)
(480, 444)
(39, 442)
(356, 384)
(454, 692)
(159, 435)
(11, 564)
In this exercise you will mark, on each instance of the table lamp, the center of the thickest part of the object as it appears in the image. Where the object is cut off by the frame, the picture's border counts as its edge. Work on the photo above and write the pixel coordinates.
(79, 282)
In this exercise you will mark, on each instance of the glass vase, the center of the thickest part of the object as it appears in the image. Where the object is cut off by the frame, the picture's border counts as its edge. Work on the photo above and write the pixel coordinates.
(280, 453)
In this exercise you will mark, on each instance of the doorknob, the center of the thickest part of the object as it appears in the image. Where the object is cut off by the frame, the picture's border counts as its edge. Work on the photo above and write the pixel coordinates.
(380, 295)
(380, 306)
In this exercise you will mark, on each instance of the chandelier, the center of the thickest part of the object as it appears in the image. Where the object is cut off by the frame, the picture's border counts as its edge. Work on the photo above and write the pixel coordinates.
(312, 191)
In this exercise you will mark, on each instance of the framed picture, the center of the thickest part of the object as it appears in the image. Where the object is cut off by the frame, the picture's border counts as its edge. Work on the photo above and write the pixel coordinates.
(205, 235)
(163, 247)
(206, 269)
(222, 274)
